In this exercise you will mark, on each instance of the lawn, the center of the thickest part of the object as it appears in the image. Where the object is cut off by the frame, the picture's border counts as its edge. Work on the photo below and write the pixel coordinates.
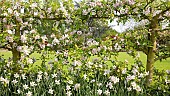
(164, 65)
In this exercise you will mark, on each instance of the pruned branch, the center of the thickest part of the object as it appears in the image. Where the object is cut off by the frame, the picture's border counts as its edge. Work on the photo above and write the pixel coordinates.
(6, 47)
(162, 12)
(162, 57)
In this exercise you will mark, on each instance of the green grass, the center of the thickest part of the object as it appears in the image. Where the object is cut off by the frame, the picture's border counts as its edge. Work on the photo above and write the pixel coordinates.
(164, 65)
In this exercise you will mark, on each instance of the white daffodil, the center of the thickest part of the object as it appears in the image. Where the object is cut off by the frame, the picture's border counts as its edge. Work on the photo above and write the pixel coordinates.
(107, 92)
(33, 84)
(68, 93)
(114, 79)
(99, 91)
(14, 81)
(29, 93)
(25, 86)
(16, 75)
(68, 87)
(77, 86)
(54, 75)
(50, 91)
(57, 82)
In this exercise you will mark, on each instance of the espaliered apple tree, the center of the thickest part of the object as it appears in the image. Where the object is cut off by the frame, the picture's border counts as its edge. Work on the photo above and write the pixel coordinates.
(153, 12)
(25, 26)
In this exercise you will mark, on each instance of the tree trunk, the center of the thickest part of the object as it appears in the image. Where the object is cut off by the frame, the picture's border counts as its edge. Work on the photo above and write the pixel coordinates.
(16, 55)
(151, 51)
(150, 58)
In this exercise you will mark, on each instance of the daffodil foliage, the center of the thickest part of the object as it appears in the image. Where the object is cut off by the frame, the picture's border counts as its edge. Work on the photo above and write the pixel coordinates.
(59, 30)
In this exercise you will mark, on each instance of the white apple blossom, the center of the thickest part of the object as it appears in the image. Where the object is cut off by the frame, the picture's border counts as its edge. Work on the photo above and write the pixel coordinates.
(10, 39)
(26, 32)
(117, 47)
(35, 13)
(131, 2)
(10, 32)
(23, 38)
(114, 67)
(16, 13)
(5, 14)
(19, 48)
(85, 12)
(30, 61)
(126, 61)
(42, 46)
(66, 53)
(94, 51)
(147, 11)
(49, 10)
(33, 5)
(25, 50)
(22, 10)
(10, 11)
